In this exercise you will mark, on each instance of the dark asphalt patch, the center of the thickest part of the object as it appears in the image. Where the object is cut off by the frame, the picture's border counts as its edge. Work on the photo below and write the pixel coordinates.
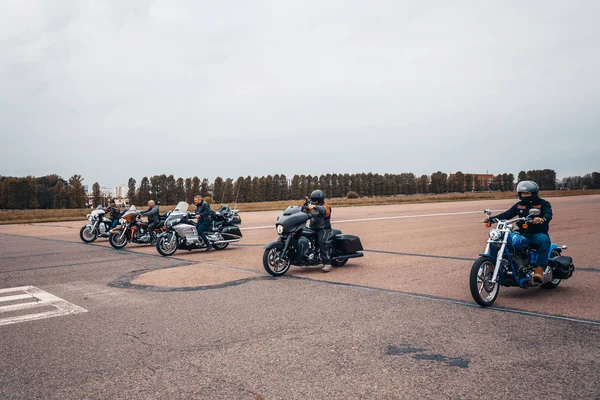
(125, 283)
(419, 354)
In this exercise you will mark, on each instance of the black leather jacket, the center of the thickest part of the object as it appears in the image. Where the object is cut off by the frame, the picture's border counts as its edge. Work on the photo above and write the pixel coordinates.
(153, 215)
(115, 212)
(320, 218)
(203, 211)
(521, 209)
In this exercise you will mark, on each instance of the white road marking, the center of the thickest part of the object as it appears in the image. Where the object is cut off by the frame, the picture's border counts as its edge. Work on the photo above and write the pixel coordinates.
(42, 299)
(252, 228)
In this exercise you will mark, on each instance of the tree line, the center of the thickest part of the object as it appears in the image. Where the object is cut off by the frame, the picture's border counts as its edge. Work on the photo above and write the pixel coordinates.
(169, 190)
(54, 192)
(50, 191)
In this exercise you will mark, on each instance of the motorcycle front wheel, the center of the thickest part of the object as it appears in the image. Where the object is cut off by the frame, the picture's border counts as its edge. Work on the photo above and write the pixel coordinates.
(220, 246)
(87, 234)
(118, 240)
(167, 245)
(483, 291)
(274, 264)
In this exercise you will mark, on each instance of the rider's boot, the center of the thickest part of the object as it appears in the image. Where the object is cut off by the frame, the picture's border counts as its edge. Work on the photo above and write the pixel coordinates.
(538, 274)
(327, 265)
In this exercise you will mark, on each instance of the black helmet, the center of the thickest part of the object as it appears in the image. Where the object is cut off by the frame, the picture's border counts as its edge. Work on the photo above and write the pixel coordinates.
(317, 197)
(528, 187)
(112, 201)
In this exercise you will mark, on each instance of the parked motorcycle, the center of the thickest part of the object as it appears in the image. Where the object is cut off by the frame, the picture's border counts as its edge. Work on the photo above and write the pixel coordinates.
(182, 233)
(292, 226)
(99, 226)
(509, 260)
(134, 229)
(229, 214)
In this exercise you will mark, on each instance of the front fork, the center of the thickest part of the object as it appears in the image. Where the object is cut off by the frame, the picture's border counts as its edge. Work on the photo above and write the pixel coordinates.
(498, 259)
(286, 247)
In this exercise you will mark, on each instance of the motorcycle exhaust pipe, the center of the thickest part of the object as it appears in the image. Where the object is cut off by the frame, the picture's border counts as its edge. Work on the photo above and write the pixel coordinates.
(226, 241)
(347, 256)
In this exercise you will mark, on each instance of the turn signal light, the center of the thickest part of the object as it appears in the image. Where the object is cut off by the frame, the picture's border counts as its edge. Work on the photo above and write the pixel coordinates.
(525, 226)
(488, 225)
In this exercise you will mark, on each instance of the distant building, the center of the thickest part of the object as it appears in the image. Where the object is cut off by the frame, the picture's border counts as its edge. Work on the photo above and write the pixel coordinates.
(120, 192)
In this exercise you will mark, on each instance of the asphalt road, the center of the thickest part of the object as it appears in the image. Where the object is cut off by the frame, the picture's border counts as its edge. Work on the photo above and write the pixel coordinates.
(398, 323)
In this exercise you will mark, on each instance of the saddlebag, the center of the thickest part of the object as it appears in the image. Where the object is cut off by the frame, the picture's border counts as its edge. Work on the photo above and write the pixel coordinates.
(562, 267)
(347, 244)
(231, 232)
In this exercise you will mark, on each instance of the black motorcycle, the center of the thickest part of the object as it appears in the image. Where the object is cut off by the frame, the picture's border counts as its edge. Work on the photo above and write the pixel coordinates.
(291, 227)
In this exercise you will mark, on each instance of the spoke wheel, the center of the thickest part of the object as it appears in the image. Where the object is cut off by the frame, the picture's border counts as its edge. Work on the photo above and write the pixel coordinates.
(87, 234)
(118, 240)
(554, 282)
(484, 292)
(274, 264)
(167, 245)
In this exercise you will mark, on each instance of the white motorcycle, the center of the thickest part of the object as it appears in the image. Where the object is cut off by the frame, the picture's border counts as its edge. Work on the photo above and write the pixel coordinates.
(99, 226)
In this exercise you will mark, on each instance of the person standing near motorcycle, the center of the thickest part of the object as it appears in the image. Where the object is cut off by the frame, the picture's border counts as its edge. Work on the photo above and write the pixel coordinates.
(537, 232)
(115, 212)
(320, 222)
(203, 212)
(153, 214)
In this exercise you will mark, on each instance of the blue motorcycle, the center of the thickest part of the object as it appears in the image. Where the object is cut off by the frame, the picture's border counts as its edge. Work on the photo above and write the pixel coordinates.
(509, 260)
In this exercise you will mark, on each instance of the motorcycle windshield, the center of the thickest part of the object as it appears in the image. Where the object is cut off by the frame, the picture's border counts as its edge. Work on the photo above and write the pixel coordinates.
(130, 211)
(182, 207)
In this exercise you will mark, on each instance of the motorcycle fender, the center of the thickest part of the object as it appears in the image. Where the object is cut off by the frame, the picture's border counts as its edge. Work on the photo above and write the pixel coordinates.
(274, 245)
(555, 247)
(163, 233)
(117, 229)
(488, 256)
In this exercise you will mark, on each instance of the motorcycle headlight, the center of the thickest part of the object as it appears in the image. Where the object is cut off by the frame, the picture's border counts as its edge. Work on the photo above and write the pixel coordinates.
(122, 221)
(495, 234)
(280, 229)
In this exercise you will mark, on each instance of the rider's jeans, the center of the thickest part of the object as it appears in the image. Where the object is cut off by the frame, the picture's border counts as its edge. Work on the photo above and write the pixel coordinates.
(542, 242)
(203, 226)
(115, 222)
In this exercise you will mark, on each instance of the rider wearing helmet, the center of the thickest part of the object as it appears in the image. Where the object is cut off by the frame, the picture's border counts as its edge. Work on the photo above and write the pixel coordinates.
(320, 222)
(537, 232)
(115, 212)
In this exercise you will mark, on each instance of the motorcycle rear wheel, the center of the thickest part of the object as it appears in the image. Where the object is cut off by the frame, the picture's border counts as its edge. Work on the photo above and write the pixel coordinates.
(220, 246)
(118, 240)
(275, 265)
(87, 235)
(481, 273)
(163, 247)
(339, 263)
(554, 282)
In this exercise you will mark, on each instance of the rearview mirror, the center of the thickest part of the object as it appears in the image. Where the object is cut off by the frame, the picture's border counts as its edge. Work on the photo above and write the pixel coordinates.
(487, 211)
(534, 212)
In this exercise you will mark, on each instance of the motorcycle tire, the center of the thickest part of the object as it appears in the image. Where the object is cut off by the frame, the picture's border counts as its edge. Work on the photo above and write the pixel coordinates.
(87, 238)
(339, 263)
(161, 247)
(220, 246)
(273, 267)
(114, 238)
(554, 282)
(476, 270)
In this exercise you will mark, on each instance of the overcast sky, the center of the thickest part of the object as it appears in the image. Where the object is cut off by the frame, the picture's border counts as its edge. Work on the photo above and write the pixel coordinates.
(112, 89)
